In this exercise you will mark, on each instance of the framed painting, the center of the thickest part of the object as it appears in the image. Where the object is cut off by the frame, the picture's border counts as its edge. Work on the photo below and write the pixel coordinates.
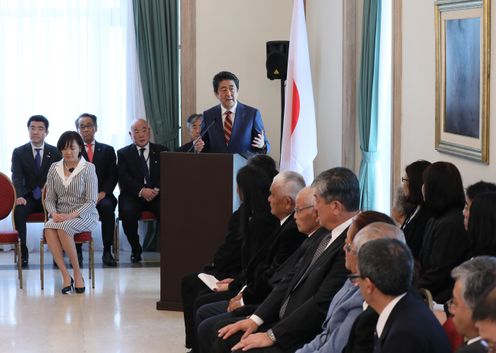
(462, 78)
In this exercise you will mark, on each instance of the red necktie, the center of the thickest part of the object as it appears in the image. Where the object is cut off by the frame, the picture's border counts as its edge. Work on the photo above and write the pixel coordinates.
(228, 127)
(90, 151)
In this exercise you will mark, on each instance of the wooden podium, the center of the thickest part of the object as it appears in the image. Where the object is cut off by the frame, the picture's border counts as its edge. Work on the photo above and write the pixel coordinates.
(197, 197)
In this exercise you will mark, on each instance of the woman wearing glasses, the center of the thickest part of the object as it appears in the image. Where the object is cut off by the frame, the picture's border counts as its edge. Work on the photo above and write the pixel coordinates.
(416, 219)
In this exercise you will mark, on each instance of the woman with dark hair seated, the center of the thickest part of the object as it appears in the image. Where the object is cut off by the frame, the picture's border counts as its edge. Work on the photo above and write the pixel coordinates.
(416, 219)
(445, 242)
(482, 225)
(72, 190)
(256, 226)
(472, 191)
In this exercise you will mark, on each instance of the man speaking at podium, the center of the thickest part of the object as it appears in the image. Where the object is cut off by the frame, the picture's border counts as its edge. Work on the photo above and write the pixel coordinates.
(232, 127)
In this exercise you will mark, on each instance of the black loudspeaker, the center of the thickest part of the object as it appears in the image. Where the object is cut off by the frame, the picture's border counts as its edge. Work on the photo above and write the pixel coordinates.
(277, 59)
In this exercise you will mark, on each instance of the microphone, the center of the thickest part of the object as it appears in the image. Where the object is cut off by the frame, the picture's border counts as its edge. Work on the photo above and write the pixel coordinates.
(202, 134)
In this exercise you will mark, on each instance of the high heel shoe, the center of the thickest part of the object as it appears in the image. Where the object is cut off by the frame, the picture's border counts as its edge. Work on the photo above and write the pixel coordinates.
(80, 290)
(67, 289)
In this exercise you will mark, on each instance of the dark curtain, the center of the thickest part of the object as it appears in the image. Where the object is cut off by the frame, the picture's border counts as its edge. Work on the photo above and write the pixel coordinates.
(156, 26)
(368, 99)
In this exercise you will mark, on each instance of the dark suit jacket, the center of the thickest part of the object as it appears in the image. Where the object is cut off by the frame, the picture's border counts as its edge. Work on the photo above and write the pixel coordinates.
(361, 338)
(415, 229)
(187, 147)
(24, 177)
(247, 124)
(309, 298)
(445, 246)
(131, 176)
(227, 258)
(412, 328)
(476, 347)
(284, 242)
(106, 168)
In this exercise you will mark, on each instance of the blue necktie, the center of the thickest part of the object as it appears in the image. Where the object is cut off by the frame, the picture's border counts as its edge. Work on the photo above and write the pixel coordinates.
(37, 163)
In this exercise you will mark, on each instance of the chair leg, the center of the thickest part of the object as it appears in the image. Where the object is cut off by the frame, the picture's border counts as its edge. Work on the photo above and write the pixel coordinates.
(42, 255)
(19, 262)
(92, 264)
(116, 239)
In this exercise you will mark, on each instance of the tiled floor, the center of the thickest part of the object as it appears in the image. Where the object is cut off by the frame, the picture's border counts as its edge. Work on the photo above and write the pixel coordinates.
(119, 315)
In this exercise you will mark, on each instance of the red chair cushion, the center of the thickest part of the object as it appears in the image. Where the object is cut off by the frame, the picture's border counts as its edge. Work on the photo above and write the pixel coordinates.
(455, 339)
(147, 216)
(37, 217)
(82, 237)
(9, 237)
(7, 196)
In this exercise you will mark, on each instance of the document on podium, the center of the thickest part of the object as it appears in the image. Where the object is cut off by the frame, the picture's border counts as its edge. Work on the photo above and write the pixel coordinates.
(209, 280)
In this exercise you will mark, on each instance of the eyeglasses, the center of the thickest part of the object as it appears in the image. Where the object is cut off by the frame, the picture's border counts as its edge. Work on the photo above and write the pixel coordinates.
(83, 127)
(354, 278)
(404, 180)
(450, 304)
(298, 210)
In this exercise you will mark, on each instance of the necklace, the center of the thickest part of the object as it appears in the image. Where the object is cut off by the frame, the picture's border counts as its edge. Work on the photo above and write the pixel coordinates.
(70, 170)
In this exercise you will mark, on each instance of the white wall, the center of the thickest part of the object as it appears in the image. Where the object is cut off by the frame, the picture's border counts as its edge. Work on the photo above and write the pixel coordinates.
(325, 33)
(418, 127)
(231, 35)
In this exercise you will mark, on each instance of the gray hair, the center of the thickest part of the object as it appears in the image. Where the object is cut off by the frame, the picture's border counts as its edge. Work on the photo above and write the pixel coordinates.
(339, 184)
(476, 276)
(377, 230)
(192, 119)
(388, 263)
(290, 182)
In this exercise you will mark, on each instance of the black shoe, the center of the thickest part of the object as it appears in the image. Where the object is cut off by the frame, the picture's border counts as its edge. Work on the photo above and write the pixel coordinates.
(24, 256)
(136, 257)
(67, 289)
(79, 251)
(80, 290)
(108, 260)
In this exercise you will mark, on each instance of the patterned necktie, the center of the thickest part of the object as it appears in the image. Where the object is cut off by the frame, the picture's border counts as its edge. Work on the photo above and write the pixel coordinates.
(37, 163)
(228, 127)
(319, 251)
(89, 151)
(144, 166)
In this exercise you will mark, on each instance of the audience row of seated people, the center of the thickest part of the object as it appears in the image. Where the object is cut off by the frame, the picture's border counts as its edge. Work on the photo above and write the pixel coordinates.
(80, 176)
(352, 284)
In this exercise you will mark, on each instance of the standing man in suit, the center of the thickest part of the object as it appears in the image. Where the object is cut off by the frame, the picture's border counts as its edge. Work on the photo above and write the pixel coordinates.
(405, 322)
(103, 157)
(472, 279)
(139, 181)
(30, 164)
(294, 311)
(233, 127)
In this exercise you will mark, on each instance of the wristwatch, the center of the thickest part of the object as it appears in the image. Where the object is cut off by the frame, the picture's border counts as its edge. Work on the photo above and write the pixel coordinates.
(271, 335)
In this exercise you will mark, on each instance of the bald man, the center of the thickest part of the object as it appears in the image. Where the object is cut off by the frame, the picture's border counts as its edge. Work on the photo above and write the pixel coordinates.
(139, 182)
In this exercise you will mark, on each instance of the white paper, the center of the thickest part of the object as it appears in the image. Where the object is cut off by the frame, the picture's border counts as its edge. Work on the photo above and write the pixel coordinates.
(209, 280)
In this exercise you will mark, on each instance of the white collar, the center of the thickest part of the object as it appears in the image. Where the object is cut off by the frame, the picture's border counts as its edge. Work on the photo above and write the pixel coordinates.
(59, 167)
(232, 110)
(284, 219)
(146, 147)
(473, 340)
(381, 322)
(336, 231)
(34, 148)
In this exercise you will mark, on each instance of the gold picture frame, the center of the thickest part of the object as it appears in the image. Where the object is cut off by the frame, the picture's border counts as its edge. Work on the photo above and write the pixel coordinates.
(463, 47)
